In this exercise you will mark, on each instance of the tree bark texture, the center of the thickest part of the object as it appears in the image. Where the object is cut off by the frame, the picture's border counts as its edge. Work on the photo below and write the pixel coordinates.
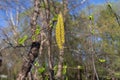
(60, 65)
(0, 59)
(50, 56)
(49, 40)
(35, 15)
(34, 51)
(79, 74)
(27, 65)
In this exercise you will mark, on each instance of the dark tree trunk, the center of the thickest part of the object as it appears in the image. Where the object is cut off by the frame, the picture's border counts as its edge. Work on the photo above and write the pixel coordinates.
(79, 74)
(27, 65)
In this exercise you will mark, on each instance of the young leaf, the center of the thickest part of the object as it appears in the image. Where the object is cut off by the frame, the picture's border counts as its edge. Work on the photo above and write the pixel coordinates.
(109, 5)
(93, 32)
(37, 31)
(66, 78)
(33, 37)
(47, 77)
(53, 20)
(22, 40)
(117, 74)
(36, 64)
(91, 17)
(41, 70)
(102, 60)
(108, 78)
(64, 69)
(55, 68)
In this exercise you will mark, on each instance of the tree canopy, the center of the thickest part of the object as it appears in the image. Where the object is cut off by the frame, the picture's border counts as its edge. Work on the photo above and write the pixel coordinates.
(59, 40)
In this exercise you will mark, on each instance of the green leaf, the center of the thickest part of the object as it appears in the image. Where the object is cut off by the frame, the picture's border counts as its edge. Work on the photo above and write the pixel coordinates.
(64, 69)
(37, 31)
(102, 60)
(53, 20)
(55, 68)
(108, 78)
(41, 70)
(46, 78)
(93, 31)
(66, 78)
(65, 66)
(117, 74)
(51, 24)
(109, 5)
(91, 17)
(36, 64)
(22, 40)
(33, 37)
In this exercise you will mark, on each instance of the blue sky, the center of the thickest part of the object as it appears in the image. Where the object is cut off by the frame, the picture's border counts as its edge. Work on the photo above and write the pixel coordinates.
(4, 17)
(2, 14)
(101, 1)
(97, 1)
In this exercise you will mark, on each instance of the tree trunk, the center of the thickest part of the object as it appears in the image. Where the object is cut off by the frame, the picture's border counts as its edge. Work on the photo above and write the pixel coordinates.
(27, 65)
(79, 74)
(35, 16)
(34, 51)
(60, 65)
(49, 43)
(0, 59)
(50, 56)
(30, 76)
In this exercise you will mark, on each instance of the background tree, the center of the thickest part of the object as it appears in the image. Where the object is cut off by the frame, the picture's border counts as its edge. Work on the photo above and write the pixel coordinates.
(85, 41)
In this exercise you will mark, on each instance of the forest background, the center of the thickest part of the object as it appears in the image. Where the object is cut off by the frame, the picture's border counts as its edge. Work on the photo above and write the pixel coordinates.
(91, 39)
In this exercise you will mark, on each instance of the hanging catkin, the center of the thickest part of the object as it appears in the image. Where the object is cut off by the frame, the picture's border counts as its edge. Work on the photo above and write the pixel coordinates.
(60, 31)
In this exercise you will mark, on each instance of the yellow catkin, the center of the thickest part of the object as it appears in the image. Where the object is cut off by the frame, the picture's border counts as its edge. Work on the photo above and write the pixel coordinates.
(60, 31)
